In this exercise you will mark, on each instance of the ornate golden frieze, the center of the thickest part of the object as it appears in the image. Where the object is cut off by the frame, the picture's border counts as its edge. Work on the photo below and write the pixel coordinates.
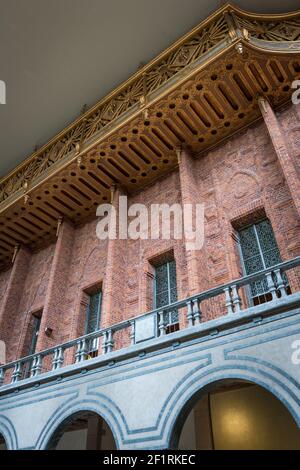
(149, 79)
(226, 25)
(271, 30)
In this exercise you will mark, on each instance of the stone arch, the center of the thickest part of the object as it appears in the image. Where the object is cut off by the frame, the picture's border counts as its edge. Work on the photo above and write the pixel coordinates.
(195, 386)
(103, 408)
(8, 432)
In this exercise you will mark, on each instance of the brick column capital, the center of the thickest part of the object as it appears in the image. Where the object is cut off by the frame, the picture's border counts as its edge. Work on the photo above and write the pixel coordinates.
(263, 104)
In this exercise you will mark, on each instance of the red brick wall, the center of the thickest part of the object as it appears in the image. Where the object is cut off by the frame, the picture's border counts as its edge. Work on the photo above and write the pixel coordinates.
(140, 253)
(114, 281)
(87, 267)
(4, 280)
(11, 303)
(237, 179)
(33, 296)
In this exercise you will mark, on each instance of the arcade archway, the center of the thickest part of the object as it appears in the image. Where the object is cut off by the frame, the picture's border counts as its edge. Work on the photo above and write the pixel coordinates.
(235, 415)
(84, 430)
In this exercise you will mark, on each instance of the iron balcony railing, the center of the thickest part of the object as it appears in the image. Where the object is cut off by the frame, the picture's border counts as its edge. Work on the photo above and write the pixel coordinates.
(232, 297)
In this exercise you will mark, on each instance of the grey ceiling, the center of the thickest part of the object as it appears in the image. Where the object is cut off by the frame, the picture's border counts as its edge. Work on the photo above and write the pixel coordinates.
(57, 55)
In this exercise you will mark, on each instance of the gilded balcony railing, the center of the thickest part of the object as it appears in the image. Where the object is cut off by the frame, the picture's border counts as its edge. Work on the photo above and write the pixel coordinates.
(233, 301)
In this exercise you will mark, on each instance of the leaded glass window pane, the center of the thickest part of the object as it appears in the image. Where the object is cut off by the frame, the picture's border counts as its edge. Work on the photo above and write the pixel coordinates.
(166, 289)
(35, 333)
(173, 282)
(162, 299)
(36, 323)
(161, 274)
(259, 251)
(268, 244)
(249, 243)
(254, 264)
(93, 313)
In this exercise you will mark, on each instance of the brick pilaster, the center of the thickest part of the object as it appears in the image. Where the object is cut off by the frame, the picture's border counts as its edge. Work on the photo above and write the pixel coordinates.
(10, 304)
(56, 288)
(113, 306)
(282, 151)
(190, 194)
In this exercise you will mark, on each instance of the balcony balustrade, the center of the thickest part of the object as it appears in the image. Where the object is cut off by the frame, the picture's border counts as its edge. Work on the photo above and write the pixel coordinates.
(233, 300)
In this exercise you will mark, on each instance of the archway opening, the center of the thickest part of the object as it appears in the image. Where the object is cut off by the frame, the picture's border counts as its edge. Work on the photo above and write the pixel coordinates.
(84, 430)
(236, 415)
(3, 445)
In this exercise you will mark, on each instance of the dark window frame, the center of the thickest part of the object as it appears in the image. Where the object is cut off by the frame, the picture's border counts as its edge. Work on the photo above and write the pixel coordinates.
(258, 291)
(171, 325)
(94, 343)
